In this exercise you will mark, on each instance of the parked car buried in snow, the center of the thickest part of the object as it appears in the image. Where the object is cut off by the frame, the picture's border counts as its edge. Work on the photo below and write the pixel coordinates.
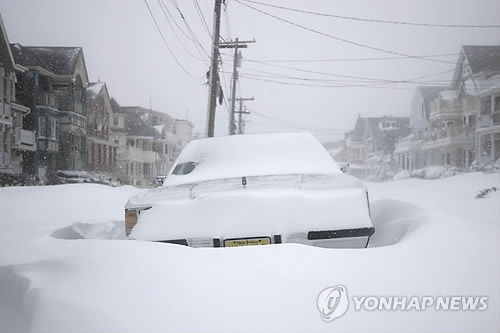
(253, 189)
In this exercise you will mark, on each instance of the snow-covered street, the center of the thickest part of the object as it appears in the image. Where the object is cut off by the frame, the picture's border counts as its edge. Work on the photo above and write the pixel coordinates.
(63, 266)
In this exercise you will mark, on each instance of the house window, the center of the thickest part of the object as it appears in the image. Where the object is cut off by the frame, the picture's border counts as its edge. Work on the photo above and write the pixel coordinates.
(486, 105)
(496, 107)
(146, 170)
(166, 149)
(53, 128)
(117, 142)
(115, 121)
(6, 87)
(496, 139)
(42, 127)
(486, 145)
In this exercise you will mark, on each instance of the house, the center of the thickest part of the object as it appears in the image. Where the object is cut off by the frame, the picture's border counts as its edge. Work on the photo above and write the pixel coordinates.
(409, 154)
(102, 151)
(449, 141)
(183, 131)
(477, 82)
(464, 119)
(148, 142)
(14, 139)
(369, 147)
(54, 88)
(139, 159)
(383, 133)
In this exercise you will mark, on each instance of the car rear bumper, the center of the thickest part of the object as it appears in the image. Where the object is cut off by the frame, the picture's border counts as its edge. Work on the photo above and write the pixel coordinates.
(343, 238)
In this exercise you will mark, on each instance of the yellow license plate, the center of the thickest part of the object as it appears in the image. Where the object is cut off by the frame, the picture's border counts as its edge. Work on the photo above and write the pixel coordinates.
(247, 242)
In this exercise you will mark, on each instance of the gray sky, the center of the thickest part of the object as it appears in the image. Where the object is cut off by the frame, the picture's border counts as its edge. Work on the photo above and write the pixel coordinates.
(123, 48)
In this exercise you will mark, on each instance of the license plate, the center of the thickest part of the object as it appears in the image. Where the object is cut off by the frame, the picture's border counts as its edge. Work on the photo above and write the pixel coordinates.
(247, 242)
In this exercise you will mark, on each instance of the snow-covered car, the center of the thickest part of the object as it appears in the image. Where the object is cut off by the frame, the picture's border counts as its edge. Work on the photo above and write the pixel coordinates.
(254, 189)
(73, 177)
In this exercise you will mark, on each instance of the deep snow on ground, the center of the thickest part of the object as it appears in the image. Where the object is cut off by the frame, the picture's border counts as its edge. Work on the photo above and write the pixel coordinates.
(433, 238)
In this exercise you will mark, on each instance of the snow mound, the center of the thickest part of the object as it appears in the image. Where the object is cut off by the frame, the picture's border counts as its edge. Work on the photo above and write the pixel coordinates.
(82, 230)
(392, 220)
(405, 174)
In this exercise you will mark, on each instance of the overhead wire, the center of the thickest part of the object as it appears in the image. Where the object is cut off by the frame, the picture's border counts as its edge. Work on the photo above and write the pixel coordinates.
(438, 25)
(294, 124)
(363, 79)
(165, 11)
(192, 35)
(344, 40)
(202, 17)
(348, 59)
(166, 43)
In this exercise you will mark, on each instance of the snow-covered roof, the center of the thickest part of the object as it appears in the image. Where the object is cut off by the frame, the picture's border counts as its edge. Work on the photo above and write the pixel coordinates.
(58, 60)
(159, 128)
(254, 155)
(482, 58)
(95, 88)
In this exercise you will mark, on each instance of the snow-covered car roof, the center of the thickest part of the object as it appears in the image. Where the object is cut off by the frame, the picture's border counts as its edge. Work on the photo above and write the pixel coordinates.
(251, 155)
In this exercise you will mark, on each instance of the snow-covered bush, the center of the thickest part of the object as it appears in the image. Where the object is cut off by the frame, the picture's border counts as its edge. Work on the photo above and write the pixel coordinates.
(484, 192)
(434, 172)
(405, 174)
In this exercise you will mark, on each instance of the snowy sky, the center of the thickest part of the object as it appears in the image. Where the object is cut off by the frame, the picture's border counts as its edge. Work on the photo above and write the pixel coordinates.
(123, 48)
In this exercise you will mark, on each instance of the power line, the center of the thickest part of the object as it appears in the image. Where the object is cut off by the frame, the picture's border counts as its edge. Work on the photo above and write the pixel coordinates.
(228, 28)
(342, 39)
(295, 128)
(297, 125)
(354, 77)
(165, 10)
(325, 85)
(200, 14)
(192, 35)
(281, 76)
(374, 20)
(194, 40)
(166, 44)
(350, 59)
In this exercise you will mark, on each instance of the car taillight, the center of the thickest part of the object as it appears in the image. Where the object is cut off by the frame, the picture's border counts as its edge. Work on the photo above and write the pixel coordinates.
(130, 220)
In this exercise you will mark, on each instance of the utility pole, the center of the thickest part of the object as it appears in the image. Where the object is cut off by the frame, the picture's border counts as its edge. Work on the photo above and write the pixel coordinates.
(236, 45)
(213, 76)
(241, 112)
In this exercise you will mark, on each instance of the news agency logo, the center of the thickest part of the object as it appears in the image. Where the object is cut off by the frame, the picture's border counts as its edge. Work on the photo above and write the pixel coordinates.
(333, 303)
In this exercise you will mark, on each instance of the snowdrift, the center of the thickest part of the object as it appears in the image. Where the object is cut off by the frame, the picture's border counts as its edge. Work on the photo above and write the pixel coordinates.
(52, 282)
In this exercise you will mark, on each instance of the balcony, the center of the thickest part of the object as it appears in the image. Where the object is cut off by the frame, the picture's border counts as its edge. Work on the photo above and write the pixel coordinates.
(24, 140)
(451, 135)
(64, 104)
(441, 108)
(137, 154)
(45, 99)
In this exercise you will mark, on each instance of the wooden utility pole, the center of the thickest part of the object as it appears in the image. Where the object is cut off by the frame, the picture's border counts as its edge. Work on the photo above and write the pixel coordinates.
(213, 77)
(241, 112)
(236, 45)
